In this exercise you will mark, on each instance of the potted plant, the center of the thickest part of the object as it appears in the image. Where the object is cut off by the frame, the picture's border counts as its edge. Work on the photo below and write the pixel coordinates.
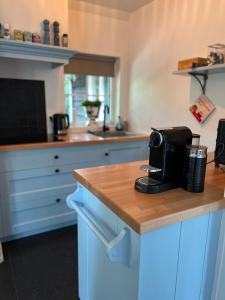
(92, 110)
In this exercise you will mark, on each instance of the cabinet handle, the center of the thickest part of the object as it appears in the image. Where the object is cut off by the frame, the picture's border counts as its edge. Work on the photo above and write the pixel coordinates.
(56, 157)
(57, 170)
(118, 247)
(106, 154)
(58, 200)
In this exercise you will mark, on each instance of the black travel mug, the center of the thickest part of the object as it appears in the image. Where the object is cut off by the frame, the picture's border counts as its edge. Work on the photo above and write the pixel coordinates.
(194, 168)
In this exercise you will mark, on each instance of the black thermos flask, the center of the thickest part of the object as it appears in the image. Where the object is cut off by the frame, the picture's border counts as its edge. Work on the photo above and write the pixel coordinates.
(194, 168)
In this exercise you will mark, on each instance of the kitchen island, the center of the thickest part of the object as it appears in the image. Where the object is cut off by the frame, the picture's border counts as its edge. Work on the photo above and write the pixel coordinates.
(135, 246)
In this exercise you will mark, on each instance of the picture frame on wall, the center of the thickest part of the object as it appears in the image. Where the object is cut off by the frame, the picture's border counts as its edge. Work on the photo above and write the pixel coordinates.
(202, 108)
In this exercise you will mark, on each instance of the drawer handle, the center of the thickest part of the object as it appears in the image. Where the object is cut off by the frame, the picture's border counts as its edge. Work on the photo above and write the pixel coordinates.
(58, 200)
(106, 154)
(57, 170)
(117, 248)
(56, 157)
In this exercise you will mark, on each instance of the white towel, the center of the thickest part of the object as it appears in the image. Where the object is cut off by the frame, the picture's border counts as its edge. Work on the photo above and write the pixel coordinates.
(1, 254)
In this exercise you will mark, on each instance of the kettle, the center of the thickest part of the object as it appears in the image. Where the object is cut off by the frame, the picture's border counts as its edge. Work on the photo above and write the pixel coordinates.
(60, 123)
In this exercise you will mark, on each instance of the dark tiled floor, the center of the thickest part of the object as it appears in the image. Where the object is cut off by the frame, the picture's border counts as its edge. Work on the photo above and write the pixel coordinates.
(41, 267)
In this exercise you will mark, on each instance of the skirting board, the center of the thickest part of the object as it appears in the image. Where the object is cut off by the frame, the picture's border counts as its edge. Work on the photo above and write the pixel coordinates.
(1, 254)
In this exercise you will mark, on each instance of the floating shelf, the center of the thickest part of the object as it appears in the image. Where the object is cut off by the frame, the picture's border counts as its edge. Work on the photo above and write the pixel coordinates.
(202, 72)
(219, 68)
(36, 52)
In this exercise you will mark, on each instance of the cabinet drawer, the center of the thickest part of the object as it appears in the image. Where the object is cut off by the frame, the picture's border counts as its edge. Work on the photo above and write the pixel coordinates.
(39, 172)
(40, 183)
(35, 210)
(25, 160)
(27, 180)
(117, 156)
(80, 155)
(30, 200)
(41, 219)
(30, 215)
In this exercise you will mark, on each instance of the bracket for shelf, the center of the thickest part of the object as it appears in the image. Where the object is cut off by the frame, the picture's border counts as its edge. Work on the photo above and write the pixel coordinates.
(202, 84)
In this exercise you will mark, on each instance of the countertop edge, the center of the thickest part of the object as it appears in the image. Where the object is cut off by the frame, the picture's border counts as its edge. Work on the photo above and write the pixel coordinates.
(73, 143)
(180, 216)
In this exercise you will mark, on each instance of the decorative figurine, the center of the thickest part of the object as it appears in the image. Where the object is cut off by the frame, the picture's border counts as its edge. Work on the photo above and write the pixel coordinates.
(6, 31)
(46, 37)
(56, 33)
(27, 36)
(36, 38)
(18, 35)
(65, 40)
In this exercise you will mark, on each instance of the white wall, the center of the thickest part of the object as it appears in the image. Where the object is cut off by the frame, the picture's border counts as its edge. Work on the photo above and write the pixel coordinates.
(28, 15)
(161, 33)
(99, 30)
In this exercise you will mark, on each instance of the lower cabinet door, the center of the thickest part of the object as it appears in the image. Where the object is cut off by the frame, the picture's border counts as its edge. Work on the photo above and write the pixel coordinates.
(99, 277)
(106, 274)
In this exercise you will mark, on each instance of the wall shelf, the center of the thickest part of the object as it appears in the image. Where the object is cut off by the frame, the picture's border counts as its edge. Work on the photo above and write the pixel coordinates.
(203, 73)
(219, 68)
(36, 52)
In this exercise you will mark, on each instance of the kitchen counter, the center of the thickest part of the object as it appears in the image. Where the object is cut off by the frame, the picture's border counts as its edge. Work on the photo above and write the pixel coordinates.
(161, 246)
(114, 186)
(75, 139)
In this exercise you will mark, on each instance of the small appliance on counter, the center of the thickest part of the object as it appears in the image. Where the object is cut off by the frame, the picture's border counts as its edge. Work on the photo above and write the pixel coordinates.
(169, 159)
(220, 144)
(60, 124)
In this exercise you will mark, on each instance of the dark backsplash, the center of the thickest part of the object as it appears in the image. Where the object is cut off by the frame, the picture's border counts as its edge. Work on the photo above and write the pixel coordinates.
(22, 111)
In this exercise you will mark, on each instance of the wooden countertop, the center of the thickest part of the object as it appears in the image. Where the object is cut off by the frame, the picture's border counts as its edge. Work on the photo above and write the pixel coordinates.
(114, 186)
(75, 139)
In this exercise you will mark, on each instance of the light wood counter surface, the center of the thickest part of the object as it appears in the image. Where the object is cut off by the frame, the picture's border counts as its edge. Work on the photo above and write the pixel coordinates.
(75, 139)
(114, 186)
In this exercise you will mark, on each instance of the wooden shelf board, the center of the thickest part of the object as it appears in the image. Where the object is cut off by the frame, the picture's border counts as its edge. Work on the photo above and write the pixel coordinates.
(219, 68)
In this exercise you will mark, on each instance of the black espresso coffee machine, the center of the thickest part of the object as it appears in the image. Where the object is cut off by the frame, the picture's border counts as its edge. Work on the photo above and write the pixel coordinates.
(166, 160)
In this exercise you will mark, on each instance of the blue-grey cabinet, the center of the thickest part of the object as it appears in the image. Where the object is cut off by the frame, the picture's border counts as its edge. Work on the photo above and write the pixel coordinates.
(34, 183)
(173, 262)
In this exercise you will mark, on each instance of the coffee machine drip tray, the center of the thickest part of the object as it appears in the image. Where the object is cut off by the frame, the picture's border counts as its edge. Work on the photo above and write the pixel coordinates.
(150, 185)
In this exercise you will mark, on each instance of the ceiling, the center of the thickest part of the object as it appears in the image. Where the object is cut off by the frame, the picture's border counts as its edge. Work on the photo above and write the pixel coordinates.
(125, 5)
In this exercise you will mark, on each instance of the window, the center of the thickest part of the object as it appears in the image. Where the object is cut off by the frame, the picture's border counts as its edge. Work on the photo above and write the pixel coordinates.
(80, 87)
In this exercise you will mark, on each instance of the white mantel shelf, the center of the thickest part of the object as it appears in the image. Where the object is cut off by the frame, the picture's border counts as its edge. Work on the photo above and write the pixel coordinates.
(55, 55)
(219, 68)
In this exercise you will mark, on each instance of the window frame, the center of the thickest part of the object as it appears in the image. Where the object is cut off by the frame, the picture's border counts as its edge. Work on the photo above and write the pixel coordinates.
(112, 96)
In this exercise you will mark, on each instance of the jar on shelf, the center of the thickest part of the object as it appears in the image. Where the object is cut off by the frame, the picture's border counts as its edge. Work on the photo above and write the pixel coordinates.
(65, 40)
(216, 54)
